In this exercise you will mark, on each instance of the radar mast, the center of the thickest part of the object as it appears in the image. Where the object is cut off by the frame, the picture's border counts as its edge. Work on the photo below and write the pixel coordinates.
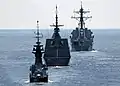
(81, 18)
(56, 29)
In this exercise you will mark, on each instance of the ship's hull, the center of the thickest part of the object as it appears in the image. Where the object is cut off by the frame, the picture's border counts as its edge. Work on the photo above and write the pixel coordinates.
(57, 56)
(57, 61)
(38, 73)
(77, 46)
(39, 79)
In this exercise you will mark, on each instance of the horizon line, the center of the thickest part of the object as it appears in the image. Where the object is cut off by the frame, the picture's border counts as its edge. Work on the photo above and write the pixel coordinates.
(51, 28)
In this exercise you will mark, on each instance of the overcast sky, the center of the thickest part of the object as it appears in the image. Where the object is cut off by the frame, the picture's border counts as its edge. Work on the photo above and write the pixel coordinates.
(24, 13)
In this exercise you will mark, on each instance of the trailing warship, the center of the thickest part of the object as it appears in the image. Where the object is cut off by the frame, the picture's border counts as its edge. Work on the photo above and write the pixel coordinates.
(38, 71)
(81, 38)
(57, 51)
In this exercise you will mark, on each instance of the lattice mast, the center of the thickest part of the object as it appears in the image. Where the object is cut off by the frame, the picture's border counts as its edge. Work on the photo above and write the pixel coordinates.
(38, 47)
(81, 18)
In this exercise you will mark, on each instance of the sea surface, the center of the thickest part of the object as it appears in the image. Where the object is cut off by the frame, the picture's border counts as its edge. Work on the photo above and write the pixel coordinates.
(94, 68)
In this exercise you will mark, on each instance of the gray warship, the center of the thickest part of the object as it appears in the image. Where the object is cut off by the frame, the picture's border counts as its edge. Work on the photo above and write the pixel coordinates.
(38, 71)
(57, 51)
(81, 38)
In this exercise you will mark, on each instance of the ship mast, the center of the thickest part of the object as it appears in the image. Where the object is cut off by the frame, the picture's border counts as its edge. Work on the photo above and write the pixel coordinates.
(81, 19)
(38, 48)
(38, 42)
(56, 29)
(56, 18)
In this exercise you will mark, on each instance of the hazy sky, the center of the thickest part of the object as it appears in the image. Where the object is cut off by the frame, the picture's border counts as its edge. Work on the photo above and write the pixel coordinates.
(24, 13)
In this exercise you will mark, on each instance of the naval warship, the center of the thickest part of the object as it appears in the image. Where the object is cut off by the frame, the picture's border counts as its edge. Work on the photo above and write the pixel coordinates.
(81, 38)
(57, 51)
(38, 71)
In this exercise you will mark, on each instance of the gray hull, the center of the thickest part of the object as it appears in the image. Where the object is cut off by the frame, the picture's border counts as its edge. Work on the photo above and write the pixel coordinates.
(57, 56)
(57, 61)
(80, 47)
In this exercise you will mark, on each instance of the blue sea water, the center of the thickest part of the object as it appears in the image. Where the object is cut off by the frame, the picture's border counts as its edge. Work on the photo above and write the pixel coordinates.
(94, 68)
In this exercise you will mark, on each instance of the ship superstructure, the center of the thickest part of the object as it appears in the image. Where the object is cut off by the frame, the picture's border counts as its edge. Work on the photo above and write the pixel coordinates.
(81, 38)
(38, 71)
(57, 51)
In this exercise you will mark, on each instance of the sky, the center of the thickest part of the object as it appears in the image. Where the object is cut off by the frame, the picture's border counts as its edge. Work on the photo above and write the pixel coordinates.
(25, 13)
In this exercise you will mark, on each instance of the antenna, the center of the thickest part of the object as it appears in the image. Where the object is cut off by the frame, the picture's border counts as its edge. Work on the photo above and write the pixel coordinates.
(81, 18)
(38, 28)
(56, 18)
(56, 10)
(56, 23)
(38, 33)
(81, 3)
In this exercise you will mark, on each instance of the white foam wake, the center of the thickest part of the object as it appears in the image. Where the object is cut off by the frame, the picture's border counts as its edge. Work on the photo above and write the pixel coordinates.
(57, 67)
(27, 81)
(94, 51)
(50, 81)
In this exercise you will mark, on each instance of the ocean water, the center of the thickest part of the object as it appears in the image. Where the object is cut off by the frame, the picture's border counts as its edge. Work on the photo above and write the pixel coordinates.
(94, 68)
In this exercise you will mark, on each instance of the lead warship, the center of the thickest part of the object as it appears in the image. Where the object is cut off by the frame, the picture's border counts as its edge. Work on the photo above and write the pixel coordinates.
(81, 38)
(57, 51)
(38, 71)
